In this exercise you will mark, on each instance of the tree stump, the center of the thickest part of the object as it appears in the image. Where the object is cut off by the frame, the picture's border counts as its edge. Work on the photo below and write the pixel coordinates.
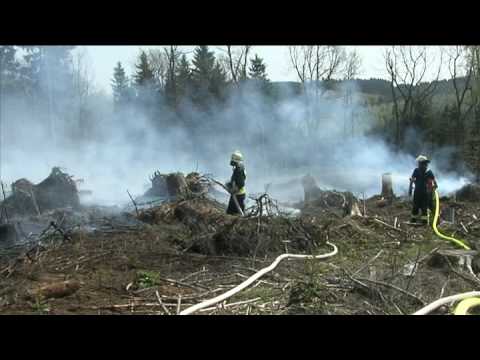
(387, 186)
(351, 206)
(310, 188)
(176, 185)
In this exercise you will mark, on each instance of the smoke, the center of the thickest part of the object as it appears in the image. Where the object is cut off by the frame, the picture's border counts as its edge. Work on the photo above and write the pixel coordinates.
(323, 134)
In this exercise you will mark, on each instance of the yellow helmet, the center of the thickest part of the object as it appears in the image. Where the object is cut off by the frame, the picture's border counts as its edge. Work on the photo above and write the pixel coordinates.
(237, 156)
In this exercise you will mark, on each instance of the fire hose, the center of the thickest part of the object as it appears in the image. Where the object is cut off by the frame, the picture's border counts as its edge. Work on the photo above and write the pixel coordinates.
(234, 197)
(254, 278)
(434, 225)
(470, 300)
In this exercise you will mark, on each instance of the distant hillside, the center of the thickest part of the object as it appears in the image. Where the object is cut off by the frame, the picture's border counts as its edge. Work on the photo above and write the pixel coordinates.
(379, 88)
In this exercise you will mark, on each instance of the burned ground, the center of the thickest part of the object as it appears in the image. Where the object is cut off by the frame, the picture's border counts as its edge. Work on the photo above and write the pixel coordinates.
(185, 251)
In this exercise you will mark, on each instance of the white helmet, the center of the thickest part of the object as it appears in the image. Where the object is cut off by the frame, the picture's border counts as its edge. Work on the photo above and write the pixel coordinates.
(237, 156)
(422, 158)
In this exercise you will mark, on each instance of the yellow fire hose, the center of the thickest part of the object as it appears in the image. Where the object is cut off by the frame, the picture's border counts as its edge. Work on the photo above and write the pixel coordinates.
(468, 300)
(465, 305)
(434, 225)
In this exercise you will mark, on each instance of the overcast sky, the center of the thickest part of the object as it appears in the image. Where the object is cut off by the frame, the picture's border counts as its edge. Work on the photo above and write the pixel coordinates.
(102, 60)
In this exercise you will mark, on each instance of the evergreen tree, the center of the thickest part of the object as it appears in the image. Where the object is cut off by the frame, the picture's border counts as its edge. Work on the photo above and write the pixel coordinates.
(257, 69)
(147, 96)
(203, 65)
(120, 86)
(184, 77)
(144, 74)
(218, 82)
(258, 74)
(208, 77)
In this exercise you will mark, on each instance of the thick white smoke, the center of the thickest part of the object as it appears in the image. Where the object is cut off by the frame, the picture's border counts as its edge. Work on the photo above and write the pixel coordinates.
(121, 154)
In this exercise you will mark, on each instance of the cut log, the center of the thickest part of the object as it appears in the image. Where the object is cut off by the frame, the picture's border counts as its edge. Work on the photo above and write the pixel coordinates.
(55, 290)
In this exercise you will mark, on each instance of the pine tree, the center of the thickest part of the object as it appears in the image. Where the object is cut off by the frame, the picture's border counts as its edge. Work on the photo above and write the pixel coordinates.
(208, 77)
(257, 69)
(184, 77)
(144, 74)
(147, 97)
(258, 74)
(218, 81)
(203, 65)
(120, 86)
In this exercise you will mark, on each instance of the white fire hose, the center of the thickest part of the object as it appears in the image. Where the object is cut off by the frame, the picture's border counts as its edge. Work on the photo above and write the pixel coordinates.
(255, 277)
(446, 300)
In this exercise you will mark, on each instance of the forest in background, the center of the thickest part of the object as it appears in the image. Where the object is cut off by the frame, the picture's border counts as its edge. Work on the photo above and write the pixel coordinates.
(195, 95)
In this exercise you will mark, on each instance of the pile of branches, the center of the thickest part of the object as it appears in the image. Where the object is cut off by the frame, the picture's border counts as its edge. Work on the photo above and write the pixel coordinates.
(264, 206)
(53, 235)
(211, 231)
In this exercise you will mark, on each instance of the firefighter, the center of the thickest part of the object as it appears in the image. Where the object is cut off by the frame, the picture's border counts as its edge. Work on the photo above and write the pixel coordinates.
(236, 185)
(425, 185)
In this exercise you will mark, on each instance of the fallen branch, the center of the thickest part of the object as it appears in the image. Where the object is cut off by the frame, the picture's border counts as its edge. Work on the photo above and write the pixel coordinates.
(181, 283)
(233, 304)
(368, 263)
(473, 281)
(391, 286)
(161, 303)
(134, 203)
(390, 226)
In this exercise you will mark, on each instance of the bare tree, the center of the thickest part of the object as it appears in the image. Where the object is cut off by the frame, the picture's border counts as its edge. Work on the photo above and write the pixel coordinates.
(353, 64)
(82, 81)
(313, 65)
(472, 153)
(407, 67)
(159, 63)
(316, 63)
(352, 67)
(461, 71)
(236, 62)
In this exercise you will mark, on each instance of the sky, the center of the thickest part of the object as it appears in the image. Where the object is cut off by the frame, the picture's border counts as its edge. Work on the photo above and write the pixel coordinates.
(102, 59)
